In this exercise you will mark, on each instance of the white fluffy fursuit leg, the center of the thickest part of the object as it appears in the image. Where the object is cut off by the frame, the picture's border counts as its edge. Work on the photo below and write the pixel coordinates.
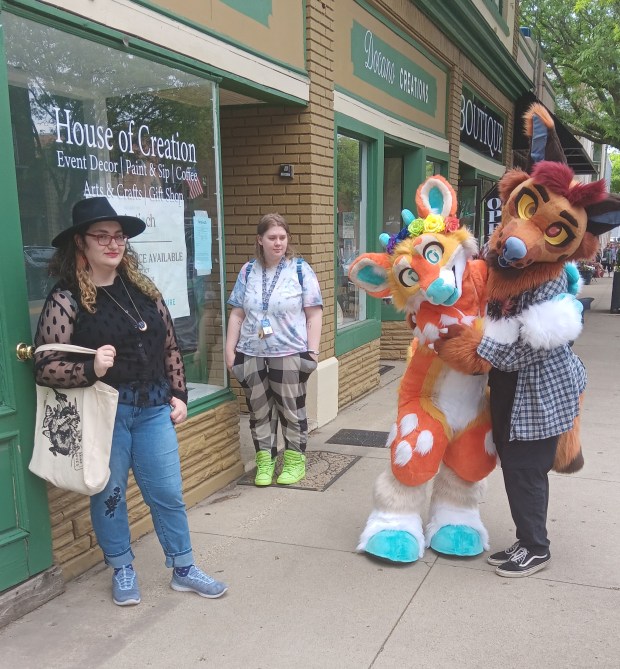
(455, 502)
(396, 507)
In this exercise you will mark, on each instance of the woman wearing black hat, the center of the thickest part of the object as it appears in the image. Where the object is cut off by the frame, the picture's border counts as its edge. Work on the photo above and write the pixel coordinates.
(103, 301)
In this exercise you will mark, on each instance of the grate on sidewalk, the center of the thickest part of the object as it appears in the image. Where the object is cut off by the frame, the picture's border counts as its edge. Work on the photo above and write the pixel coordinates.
(371, 438)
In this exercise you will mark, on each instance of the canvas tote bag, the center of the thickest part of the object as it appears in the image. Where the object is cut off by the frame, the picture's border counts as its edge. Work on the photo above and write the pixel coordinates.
(73, 432)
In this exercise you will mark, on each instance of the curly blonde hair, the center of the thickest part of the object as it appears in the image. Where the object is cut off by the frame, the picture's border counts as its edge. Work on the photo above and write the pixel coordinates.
(69, 264)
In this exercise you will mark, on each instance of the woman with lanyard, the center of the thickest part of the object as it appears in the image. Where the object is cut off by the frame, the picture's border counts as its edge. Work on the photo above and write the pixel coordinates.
(102, 301)
(272, 347)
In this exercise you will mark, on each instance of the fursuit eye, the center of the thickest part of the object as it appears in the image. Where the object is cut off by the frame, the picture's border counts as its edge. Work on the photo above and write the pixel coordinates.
(408, 277)
(526, 206)
(558, 234)
(433, 253)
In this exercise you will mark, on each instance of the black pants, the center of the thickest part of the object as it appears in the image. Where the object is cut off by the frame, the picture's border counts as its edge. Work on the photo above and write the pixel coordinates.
(525, 466)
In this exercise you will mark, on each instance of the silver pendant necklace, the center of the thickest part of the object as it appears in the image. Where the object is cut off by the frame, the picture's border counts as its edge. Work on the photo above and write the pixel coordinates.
(140, 325)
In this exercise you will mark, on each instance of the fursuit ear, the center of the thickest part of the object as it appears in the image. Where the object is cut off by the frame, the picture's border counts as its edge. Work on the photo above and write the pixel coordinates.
(370, 271)
(544, 141)
(435, 195)
(510, 180)
(603, 215)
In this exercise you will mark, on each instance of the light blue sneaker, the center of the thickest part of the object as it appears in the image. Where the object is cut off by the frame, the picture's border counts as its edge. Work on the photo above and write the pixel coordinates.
(125, 590)
(199, 582)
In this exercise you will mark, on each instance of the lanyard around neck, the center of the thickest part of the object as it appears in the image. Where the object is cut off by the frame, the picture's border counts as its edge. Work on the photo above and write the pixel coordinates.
(267, 294)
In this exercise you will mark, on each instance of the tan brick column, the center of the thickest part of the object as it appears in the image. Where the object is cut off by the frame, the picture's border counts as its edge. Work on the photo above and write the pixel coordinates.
(256, 140)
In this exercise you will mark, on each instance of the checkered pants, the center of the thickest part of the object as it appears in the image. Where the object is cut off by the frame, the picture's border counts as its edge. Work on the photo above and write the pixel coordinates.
(276, 388)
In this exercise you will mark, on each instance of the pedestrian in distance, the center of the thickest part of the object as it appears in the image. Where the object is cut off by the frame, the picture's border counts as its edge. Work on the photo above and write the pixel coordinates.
(272, 347)
(103, 301)
(608, 259)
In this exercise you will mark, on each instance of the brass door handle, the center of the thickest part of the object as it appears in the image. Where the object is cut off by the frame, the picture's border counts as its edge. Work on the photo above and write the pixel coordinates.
(24, 351)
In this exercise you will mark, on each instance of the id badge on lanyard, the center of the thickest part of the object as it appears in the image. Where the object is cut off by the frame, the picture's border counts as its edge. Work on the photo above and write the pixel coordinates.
(265, 328)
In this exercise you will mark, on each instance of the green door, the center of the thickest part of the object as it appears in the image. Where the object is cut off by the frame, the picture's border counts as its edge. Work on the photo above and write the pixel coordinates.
(25, 536)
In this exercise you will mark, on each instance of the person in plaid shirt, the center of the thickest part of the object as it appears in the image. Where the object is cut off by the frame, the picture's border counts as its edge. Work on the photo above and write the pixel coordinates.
(535, 384)
(535, 379)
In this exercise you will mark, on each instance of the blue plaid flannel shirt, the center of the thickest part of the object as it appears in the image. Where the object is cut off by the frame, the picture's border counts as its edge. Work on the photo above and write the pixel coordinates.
(549, 381)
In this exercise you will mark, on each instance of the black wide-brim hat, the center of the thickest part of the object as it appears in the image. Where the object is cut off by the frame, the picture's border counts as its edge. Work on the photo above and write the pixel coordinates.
(94, 209)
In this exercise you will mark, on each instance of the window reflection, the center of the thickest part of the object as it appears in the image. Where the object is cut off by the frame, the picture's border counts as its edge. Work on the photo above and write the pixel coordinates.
(433, 168)
(88, 120)
(351, 193)
(392, 194)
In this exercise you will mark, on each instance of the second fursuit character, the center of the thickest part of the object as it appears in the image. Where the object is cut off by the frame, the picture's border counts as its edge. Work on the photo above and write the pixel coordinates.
(536, 380)
(442, 433)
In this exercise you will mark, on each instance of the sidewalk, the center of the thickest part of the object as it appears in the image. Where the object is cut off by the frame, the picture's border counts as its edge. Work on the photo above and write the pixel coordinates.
(300, 596)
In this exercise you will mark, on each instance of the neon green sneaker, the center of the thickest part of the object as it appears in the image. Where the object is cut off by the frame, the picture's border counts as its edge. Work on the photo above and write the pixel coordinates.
(265, 466)
(294, 468)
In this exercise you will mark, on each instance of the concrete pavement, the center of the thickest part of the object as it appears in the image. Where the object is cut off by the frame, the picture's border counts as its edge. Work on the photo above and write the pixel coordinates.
(300, 596)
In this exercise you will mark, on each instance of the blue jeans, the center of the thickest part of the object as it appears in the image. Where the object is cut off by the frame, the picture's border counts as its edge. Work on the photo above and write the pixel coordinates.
(144, 440)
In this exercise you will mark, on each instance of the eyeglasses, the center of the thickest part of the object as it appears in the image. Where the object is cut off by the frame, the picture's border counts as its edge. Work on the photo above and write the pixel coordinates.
(104, 239)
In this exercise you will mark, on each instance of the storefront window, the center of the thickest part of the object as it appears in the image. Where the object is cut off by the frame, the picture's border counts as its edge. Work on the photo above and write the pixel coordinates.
(351, 190)
(468, 198)
(392, 194)
(89, 120)
(433, 168)
(471, 194)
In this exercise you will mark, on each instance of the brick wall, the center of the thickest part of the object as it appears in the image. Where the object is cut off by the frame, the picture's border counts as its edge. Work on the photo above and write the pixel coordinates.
(396, 337)
(358, 372)
(210, 459)
(255, 141)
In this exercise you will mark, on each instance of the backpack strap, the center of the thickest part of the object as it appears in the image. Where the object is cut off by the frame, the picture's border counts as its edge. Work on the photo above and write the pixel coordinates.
(300, 276)
(248, 268)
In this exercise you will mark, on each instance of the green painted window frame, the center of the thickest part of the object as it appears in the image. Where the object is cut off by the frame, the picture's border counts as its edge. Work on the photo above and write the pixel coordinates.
(357, 335)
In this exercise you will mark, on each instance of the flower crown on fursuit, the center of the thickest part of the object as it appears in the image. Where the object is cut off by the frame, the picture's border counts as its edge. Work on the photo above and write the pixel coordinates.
(436, 204)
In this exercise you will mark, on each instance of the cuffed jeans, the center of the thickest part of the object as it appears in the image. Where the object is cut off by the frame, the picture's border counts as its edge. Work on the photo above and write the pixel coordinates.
(144, 440)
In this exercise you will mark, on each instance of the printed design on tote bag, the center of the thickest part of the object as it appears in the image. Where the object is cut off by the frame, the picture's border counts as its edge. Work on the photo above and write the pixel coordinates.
(63, 429)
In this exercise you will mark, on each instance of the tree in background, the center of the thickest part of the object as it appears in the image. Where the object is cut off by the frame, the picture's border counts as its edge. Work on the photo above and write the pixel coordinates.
(581, 44)
(614, 156)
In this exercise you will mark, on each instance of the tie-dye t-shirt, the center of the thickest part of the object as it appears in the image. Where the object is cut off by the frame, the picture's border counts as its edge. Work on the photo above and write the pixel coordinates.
(285, 310)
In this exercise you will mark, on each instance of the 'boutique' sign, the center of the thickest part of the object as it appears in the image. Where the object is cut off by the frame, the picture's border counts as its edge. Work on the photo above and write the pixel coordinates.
(482, 128)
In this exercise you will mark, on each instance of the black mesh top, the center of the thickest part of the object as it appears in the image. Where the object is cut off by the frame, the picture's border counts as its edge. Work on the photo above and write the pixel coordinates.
(146, 358)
